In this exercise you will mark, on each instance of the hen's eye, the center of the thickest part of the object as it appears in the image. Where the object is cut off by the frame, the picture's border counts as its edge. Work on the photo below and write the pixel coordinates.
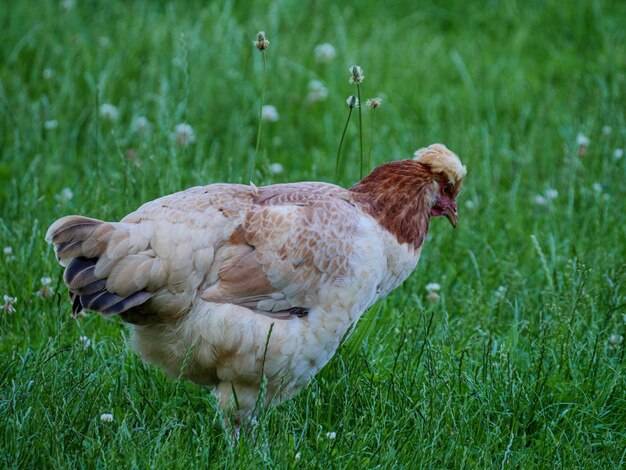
(447, 191)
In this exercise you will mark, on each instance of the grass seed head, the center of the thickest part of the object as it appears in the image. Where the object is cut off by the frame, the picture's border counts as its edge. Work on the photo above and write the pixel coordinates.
(261, 42)
(356, 75)
(352, 102)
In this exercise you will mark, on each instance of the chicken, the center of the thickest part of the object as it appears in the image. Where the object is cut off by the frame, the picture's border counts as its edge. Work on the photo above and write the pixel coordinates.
(230, 285)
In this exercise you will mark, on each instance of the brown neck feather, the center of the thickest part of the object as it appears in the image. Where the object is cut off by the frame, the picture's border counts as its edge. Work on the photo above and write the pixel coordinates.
(399, 195)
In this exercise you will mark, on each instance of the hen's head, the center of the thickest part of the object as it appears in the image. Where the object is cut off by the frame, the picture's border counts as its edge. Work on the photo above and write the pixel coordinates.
(447, 173)
(403, 195)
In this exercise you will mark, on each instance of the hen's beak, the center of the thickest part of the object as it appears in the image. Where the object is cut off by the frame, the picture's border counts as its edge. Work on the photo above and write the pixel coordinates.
(452, 216)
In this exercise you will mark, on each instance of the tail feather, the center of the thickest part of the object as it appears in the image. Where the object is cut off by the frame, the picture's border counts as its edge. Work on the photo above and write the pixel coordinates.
(80, 243)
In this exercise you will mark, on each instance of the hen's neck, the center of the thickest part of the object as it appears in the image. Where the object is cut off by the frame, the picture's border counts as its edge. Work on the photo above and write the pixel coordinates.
(399, 195)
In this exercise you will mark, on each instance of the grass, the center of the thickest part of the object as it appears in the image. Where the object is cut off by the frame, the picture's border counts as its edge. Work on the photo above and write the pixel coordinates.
(519, 364)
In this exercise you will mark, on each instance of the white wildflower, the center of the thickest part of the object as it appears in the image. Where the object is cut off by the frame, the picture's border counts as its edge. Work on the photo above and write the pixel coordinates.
(331, 435)
(317, 91)
(108, 112)
(582, 139)
(48, 73)
(433, 287)
(540, 200)
(469, 204)
(606, 130)
(68, 5)
(597, 187)
(276, 168)
(106, 418)
(374, 103)
(396, 331)
(297, 456)
(184, 134)
(46, 291)
(84, 342)
(261, 42)
(433, 297)
(356, 75)
(352, 102)
(269, 113)
(50, 124)
(64, 196)
(325, 53)
(141, 125)
(8, 254)
(552, 193)
(500, 292)
(618, 154)
(9, 301)
(616, 339)
(583, 142)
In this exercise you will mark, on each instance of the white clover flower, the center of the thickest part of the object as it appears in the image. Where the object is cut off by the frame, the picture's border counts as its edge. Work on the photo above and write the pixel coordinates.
(352, 102)
(50, 124)
(597, 187)
(108, 112)
(317, 91)
(8, 254)
(106, 418)
(618, 154)
(48, 73)
(276, 168)
(552, 193)
(68, 5)
(269, 113)
(84, 343)
(184, 134)
(64, 196)
(469, 204)
(141, 125)
(46, 291)
(261, 42)
(616, 339)
(582, 139)
(433, 296)
(396, 331)
(606, 130)
(9, 301)
(500, 292)
(356, 75)
(540, 200)
(433, 287)
(374, 103)
(325, 53)
(297, 456)
(331, 435)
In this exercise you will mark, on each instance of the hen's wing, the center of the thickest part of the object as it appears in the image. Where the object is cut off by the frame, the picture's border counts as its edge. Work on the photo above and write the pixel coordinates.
(293, 240)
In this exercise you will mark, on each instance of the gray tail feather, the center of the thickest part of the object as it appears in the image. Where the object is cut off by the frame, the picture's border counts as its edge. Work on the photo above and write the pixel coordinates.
(79, 242)
(90, 293)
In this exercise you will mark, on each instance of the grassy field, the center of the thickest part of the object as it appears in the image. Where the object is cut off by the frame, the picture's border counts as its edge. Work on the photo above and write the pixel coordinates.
(521, 361)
